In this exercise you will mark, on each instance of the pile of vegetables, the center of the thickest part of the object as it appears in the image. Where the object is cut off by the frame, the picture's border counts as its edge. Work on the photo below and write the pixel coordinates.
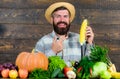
(55, 69)
(95, 65)
(39, 66)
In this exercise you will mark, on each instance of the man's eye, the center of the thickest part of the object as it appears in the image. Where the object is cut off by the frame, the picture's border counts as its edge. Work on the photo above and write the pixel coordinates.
(66, 16)
(57, 16)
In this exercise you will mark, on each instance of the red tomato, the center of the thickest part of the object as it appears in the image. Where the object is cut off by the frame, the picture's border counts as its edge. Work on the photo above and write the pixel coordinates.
(5, 73)
(23, 73)
(66, 69)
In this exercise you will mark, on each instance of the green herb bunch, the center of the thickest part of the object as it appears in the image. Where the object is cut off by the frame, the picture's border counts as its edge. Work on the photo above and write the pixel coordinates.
(86, 64)
(84, 69)
(55, 62)
(40, 74)
(99, 53)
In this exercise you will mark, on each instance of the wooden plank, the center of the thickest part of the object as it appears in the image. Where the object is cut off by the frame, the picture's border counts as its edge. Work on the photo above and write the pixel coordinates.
(36, 16)
(100, 16)
(10, 48)
(6, 57)
(107, 34)
(115, 60)
(89, 4)
(17, 45)
(27, 4)
(27, 16)
(99, 4)
(106, 30)
(22, 31)
(112, 45)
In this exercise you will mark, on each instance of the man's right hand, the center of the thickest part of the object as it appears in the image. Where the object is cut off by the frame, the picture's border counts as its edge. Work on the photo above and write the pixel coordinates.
(57, 45)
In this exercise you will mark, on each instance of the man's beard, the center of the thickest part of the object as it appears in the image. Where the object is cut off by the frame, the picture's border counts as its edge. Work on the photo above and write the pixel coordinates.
(61, 31)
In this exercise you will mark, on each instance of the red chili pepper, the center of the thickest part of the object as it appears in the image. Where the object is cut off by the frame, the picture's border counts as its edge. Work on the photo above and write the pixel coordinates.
(79, 69)
(90, 71)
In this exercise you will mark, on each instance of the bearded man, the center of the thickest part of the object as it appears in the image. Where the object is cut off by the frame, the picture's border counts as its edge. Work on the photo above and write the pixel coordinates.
(61, 42)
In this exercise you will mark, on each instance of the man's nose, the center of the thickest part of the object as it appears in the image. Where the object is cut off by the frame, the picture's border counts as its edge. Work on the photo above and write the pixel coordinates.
(62, 18)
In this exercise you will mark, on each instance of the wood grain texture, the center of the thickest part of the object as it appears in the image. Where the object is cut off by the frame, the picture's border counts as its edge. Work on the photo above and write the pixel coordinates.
(22, 16)
(88, 4)
(23, 31)
(36, 16)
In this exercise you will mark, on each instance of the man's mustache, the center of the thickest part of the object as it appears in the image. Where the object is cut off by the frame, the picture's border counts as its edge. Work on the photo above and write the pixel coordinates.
(62, 22)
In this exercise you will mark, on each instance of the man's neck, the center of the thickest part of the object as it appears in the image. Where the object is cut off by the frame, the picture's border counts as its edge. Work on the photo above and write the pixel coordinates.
(62, 36)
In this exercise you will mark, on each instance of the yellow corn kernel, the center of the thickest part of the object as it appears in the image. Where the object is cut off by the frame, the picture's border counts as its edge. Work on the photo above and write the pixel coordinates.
(83, 31)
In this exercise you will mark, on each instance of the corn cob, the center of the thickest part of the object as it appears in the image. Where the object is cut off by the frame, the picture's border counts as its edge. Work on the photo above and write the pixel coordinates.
(115, 75)
(113, 72)
(83, 31)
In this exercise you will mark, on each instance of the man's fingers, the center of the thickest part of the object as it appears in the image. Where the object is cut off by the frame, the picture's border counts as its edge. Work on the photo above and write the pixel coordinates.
(89, 31)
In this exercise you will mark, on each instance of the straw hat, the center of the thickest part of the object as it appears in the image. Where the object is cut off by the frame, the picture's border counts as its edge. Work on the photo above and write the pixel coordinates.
(51, 8)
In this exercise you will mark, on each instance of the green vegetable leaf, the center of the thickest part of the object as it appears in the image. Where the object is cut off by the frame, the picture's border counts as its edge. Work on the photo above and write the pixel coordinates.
(39, 74)
(99, 54)
(55, 62)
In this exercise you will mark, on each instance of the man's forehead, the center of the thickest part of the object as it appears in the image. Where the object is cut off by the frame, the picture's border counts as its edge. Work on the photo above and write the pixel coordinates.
(61, 12)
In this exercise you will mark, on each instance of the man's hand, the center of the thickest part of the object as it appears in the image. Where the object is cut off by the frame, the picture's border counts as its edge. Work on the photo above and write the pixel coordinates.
(89, 35)
(57, 45)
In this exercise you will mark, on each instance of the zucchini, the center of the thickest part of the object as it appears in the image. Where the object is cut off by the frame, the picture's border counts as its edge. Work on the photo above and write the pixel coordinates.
(55, 72)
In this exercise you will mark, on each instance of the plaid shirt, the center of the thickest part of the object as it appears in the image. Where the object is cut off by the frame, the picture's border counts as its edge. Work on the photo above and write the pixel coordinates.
(72, 47)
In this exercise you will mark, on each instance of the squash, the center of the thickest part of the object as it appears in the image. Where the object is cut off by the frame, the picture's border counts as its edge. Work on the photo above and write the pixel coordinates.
(30, 61)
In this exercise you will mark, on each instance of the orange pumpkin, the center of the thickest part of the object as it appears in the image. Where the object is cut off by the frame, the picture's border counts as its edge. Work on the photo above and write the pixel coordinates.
(30, 61)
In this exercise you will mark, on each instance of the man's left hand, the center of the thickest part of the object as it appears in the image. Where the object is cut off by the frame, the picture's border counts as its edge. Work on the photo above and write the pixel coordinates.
(89, 35)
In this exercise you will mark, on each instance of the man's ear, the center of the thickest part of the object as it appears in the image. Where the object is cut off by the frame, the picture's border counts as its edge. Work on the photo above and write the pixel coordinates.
(51, 20)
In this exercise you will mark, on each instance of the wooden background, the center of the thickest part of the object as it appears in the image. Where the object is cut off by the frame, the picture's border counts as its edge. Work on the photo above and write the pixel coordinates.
(22, 23)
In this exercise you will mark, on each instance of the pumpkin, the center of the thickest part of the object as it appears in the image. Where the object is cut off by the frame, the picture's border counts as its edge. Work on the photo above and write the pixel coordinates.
(30, 61)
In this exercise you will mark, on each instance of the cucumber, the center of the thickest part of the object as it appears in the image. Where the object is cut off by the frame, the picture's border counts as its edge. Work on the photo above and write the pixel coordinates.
(55, 72)
(61, 75)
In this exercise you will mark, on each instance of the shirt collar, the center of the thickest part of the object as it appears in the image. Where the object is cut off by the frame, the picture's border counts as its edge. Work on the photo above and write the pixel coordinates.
(54, 34)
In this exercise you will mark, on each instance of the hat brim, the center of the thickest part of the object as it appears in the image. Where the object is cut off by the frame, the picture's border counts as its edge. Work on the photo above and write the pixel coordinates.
(51, 8)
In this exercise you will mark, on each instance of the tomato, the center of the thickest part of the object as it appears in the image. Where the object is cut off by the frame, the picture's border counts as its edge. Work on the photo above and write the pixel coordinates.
(5, 73)
(23, 73)
(66, 69)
